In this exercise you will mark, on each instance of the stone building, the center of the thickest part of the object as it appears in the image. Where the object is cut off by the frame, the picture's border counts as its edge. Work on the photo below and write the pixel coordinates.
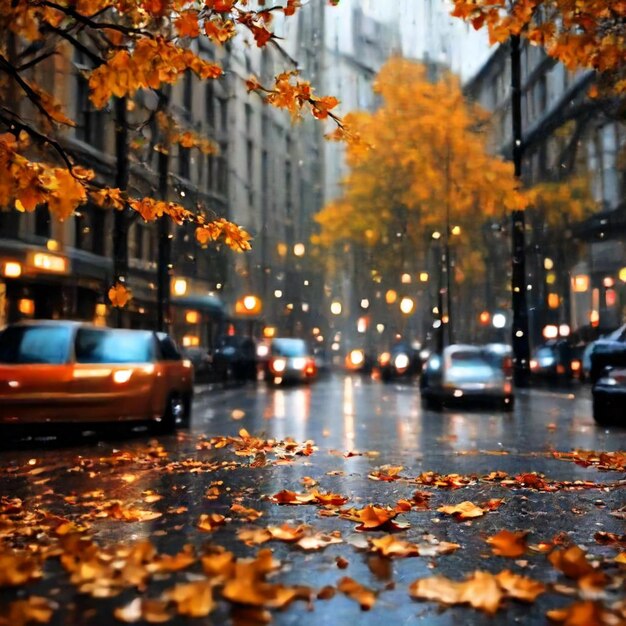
(573, 269)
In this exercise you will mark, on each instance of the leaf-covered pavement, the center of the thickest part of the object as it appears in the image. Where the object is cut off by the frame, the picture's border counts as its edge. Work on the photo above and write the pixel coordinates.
(248, 527)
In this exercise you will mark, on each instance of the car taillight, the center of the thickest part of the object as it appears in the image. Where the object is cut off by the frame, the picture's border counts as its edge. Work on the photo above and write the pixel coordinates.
(575, 365)
(560, 369)
(384, 358)
(533, 364)
(310, 369)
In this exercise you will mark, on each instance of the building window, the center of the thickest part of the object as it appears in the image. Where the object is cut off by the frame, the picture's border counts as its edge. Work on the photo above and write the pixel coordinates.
(249, 114)
(90, 123)
(250, 159)
(42, 222)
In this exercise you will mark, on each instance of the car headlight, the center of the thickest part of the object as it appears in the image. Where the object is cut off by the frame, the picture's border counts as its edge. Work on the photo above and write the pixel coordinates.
(279, 365)
(608, 381)
(122, 376)
(401, 361)
(299, 363)
(356, 357)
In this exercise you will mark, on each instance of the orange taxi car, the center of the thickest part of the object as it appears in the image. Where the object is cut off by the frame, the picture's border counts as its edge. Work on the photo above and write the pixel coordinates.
(71, 372)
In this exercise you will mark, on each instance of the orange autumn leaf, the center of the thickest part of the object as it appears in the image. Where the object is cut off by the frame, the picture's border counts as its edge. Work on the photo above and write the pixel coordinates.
(571, 561)
(482, 590)
(507, 543)
(464, 510)
(390, 546)
(209, 522)
(318, 541)
(119, 295)
(248, 514)
(17, 568)
(32, 610)
(373, 518)
(194, 599)
(186, 24)
(586, 613)
(520, 587)
(365, 597)
(130, 514)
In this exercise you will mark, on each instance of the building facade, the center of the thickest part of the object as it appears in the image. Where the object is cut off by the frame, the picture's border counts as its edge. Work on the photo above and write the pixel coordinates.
(573, 265)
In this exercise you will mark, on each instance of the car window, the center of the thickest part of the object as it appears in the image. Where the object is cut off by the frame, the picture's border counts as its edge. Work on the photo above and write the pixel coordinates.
(169, 350)
(35, 345)
(468, 359)
(113, 346)
(288, 347)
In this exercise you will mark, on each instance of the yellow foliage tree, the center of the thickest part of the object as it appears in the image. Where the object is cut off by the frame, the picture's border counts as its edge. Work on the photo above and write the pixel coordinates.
(422, 165)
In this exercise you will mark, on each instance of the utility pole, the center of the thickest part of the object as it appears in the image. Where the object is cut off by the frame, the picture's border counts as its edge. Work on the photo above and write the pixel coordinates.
(120, 219)
(520, 338)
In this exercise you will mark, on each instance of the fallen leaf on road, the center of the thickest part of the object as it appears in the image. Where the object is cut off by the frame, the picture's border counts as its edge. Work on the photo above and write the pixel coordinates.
(520, 587)
(373, 518)
(249, 515)
(582, 614)
(219, 563)
(621, 558)
(238, 414)
(193, 599)
(482, 590)
(34, 609)
(286, 532)
(248, 586)
(341, 562)
(357, 592)
(421, 499)
(209, 522)
(507, 543)
(572, 562)
(17, 569)
(117, 512)
(254, 536)
(319, 541)
(610, 538)
(386, 473)
(464, 510)
(389, 546)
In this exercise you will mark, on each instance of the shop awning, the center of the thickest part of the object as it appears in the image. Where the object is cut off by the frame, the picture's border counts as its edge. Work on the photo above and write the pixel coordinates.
(207, 303)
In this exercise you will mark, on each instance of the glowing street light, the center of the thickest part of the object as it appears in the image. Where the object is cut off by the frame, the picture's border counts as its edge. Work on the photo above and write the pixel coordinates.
(498, 320)
(299, 249)
(336, 308)
(407, 305)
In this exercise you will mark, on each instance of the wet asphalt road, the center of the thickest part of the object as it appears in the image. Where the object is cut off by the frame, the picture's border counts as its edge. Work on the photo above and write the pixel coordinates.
(346, 417)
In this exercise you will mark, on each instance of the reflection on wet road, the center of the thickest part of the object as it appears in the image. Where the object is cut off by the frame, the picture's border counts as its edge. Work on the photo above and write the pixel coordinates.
(359, 426)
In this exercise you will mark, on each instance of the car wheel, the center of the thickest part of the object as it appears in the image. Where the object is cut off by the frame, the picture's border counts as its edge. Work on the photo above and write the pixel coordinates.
(507, 404)
(174, 413)
(600, 414)
(433, 404)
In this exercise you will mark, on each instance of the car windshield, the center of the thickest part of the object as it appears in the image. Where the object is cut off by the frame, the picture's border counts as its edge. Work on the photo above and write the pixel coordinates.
(289, 347)
(113, 346)
(35, 345)
(468, 359)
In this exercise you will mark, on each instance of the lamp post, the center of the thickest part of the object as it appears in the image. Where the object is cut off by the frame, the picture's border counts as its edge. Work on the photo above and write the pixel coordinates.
(521, 347)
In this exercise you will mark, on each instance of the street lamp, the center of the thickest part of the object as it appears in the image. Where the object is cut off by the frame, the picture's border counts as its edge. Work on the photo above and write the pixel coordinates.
(336, 308)
(299, 249)
(407, 305)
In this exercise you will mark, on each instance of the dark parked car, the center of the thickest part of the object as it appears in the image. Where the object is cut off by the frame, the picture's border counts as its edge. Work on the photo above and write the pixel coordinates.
(235, 358)
(557, 360)
(402, 361)
(465, 374)
(608, 351)
(609, 396)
